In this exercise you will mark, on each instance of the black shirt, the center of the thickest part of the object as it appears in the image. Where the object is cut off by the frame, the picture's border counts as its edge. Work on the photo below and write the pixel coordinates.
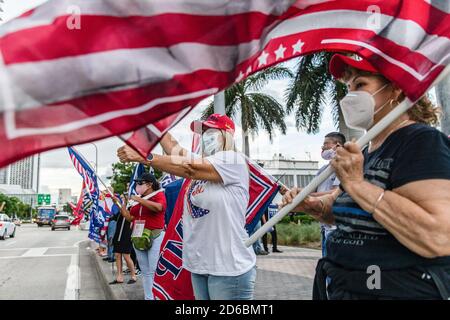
(412, 153)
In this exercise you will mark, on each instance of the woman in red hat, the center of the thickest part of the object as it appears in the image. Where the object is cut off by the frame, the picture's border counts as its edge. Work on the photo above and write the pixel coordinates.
(392, 210)
(214, 210)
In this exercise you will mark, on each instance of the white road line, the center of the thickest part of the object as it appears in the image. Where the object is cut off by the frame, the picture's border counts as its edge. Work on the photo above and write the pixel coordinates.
(78, 242)
(73, 279)
(43, 256)
(10, 249)
(35, 252)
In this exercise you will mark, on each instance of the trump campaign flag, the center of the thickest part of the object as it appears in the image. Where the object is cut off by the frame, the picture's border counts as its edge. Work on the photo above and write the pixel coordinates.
(123, 65)
(77, 210)
(90, 182)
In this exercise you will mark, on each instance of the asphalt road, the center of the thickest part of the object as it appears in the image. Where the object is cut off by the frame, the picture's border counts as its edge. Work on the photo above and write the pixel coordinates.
(49, 265)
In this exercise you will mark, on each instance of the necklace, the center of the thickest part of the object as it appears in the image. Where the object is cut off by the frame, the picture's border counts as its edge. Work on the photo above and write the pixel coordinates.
(400, 125)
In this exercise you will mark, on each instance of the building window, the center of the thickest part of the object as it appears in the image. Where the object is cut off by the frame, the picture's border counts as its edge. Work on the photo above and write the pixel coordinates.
(304, 180)
(287, 180)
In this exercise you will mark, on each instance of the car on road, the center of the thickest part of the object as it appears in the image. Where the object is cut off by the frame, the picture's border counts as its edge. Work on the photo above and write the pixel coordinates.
(7, 227)
(60, 221)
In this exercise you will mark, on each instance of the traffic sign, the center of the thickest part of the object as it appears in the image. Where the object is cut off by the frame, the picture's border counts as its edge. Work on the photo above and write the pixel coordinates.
(44, 199)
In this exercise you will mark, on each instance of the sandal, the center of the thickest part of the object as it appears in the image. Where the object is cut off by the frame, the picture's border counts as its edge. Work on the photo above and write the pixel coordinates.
(131, 281)
(116, 282)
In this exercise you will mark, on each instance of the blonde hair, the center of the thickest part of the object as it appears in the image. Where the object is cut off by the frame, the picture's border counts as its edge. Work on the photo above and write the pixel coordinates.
(423, 111)
(229, 143)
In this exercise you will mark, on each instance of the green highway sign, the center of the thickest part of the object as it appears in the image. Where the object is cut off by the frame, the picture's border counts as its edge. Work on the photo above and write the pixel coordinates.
(44, 199)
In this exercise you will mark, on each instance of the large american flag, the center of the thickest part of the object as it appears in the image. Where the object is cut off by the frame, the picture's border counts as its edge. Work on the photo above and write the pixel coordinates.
(77, 71)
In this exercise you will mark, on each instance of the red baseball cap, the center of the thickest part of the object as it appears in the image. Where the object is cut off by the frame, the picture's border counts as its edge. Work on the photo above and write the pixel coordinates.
(216, 121)
(340, 62)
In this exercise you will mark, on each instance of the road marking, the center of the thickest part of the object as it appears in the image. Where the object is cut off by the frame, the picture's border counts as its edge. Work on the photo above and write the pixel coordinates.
(35, 252)
(9, 249)
(43, 256)
(78, 242)
(73, 279)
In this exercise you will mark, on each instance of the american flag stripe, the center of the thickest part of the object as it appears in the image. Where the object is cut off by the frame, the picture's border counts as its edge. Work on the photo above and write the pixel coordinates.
(47, 13)
(136, 62)
(82, 171)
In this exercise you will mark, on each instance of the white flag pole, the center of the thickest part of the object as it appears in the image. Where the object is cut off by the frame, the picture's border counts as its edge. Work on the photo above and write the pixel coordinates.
(312, 186)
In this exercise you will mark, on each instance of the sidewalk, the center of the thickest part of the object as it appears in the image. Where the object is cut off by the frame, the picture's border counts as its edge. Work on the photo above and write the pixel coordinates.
(280, 276)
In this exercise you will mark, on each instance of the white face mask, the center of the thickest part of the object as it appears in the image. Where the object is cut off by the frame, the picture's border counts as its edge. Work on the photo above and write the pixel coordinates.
(211, 141)
(358, 108)
(328, 154)
(140, 189)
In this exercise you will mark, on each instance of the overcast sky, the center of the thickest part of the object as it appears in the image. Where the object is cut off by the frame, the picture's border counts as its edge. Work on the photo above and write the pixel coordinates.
(58, 172)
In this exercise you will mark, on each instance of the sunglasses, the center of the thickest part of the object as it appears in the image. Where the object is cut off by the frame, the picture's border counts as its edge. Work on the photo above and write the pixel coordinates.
(140, 183)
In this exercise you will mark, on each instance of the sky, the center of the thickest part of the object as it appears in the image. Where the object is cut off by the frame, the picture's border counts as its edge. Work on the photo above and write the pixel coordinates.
(57, 171)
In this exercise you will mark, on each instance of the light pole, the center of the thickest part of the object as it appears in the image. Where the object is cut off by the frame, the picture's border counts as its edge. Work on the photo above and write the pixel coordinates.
(96, 158)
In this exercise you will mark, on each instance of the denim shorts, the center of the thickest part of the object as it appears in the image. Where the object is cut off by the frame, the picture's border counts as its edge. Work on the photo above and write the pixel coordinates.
(209, 287)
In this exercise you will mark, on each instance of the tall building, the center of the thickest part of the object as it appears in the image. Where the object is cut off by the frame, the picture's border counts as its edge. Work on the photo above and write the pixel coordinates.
(64, 196)
(20, 180)
(23, 173)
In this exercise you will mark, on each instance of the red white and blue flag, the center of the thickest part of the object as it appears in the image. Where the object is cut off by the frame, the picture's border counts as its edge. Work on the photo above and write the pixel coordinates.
(123, 65)
(90, 182)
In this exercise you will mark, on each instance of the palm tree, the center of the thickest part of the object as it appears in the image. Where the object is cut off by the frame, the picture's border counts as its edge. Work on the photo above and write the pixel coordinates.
(258, 109)
(310, 89)
(443, 97)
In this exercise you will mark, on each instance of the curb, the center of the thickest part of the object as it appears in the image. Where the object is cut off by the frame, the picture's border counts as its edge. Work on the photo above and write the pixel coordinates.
(112, 292)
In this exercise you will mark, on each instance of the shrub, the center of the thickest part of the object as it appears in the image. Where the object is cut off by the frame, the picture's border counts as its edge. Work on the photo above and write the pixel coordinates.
(294, 235)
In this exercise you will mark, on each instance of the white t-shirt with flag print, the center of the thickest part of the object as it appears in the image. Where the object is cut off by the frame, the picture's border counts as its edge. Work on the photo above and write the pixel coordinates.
(214, 220)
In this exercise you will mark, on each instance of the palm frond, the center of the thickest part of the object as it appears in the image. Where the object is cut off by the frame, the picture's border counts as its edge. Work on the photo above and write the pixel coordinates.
(269, 113)
(307, 93)
(259, 80)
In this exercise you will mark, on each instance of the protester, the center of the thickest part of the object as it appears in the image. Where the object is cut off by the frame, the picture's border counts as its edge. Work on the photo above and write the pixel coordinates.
(215, 205)
(110, 236)
(111, 230)
(270, 212)
(148, 211)
(332, 141)
(257, 245)
(122, 249)
(392, 212)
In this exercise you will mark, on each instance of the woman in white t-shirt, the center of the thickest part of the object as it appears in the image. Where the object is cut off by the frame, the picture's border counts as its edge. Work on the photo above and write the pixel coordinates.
(215, 205)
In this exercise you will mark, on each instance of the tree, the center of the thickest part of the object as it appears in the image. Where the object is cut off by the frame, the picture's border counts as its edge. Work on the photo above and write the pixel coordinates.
(14, 206)
(310, 89)
(122, 173)
(67, 208)
(443, 97)
(258, 110)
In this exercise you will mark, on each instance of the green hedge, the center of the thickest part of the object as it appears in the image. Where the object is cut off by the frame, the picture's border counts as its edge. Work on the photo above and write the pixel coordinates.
(290, 234)
(302, 217)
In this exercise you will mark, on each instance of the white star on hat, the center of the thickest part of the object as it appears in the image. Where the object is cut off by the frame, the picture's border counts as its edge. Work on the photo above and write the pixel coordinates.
(297, 48)
(280, 52)
(263, 58)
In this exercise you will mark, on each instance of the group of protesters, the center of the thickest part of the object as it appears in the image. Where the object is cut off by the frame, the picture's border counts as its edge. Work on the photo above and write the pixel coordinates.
(386, 204)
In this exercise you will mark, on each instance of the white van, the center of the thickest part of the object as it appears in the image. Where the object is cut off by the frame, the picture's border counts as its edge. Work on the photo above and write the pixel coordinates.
(7, 227)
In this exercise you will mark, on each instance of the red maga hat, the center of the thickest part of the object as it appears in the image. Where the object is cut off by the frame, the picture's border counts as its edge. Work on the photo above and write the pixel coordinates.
(340, 62)
(216, 121)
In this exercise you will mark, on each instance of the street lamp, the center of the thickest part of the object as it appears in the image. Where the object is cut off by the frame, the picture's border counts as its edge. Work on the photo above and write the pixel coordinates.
(96, 158)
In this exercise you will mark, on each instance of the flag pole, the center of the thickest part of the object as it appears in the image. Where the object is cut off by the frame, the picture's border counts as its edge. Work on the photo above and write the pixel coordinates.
(312, 186)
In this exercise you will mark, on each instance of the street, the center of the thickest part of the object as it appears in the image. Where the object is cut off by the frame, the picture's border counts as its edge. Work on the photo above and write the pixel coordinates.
(50, 265)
